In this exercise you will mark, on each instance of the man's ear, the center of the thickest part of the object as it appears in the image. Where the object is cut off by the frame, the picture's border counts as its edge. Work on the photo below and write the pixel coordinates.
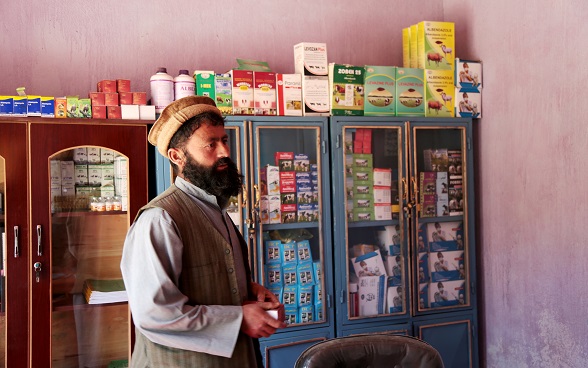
(176, 156)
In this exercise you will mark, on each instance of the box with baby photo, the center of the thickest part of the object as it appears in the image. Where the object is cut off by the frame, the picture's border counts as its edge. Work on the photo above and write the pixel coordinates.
(273, 275)
(289, 296)
(422, 239)
(423, 275)
(288, 252)
(369, 264)
(448, 293)
(272, 252)
(394, 298)
(289, 274)
(305, 294)
(305, 273)
(423, 296)
(446, 266)
(304, 252)
(444, 236)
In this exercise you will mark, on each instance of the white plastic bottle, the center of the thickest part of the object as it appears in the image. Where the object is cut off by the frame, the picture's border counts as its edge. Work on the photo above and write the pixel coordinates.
(184, 85)
(162, 90)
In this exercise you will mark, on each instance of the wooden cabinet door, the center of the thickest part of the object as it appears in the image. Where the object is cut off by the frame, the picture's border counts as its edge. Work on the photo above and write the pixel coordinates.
(14, 220)
(71, 244)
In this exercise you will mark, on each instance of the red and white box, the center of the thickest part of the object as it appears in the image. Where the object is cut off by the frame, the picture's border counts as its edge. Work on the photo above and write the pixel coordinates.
(264, 93)
(289, 94)
(243, 92)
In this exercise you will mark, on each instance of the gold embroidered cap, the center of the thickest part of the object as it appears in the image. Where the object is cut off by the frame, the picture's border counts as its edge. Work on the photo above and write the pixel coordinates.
(174, 115)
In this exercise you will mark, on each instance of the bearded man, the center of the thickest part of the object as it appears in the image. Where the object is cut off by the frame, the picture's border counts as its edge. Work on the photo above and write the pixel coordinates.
(184, 263)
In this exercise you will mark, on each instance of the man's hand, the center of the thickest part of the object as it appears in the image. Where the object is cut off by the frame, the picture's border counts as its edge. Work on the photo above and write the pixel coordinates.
(262, 294)
(257, 322)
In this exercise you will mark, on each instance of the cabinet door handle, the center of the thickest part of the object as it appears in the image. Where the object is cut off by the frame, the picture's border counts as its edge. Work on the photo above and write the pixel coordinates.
(39, 246)
(16, 248)
(37, 268)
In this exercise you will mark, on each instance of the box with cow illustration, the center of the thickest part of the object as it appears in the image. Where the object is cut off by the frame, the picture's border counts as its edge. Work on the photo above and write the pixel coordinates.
(436, 45)
(380, 90)
(410, 92)
(346, 89)
(223, 90)
(439, 93)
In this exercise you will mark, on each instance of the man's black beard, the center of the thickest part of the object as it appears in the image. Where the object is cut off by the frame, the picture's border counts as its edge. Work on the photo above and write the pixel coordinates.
(220, 183)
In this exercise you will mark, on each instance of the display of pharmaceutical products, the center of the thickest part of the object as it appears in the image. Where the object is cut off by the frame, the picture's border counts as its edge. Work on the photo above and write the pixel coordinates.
(441, 184)
(89, 179)
(295, 278)
(376, 279)
(368, 189)
(442, 266)
(289, 190)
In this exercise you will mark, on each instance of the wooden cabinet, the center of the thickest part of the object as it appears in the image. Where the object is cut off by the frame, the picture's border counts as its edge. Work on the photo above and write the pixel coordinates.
(14, 224)
(68, 243)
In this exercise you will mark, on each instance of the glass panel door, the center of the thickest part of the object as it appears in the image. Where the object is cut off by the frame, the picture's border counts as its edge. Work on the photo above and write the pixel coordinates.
(289, 206)
(440, 190)
(89, 220)
(73, 245)
(375, 250)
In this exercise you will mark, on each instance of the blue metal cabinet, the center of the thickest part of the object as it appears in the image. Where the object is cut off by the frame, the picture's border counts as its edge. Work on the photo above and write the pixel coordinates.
(285, 209)
(404, 247)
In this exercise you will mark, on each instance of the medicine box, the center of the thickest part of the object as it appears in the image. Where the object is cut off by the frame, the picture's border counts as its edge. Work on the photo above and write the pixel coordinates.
(468, 104)
(242, 92)
(6, 105)
(205, 83)
(223, 93)
(410, 92)
(346, 89)
(468, 74)
(289, 94)
(264, 93)
(33, 105)
(439, 93)
(380, 90)
(47, 106)
(315, 96)
(311, 59)
(19, 107)
(436, 45)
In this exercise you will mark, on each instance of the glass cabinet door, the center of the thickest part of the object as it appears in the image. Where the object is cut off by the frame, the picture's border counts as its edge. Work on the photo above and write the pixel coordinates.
(88, 184)
(289, 208)
(439, 188)
(89, 220)
(374, 254)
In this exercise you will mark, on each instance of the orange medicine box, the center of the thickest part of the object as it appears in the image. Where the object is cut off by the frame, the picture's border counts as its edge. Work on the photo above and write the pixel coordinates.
(123, 85)
(139, 98)
(113, 112)
(107, 86)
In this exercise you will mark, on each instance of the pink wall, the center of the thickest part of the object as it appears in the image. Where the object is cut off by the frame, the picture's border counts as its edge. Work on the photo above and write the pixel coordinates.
(532, 145)
(54, 49)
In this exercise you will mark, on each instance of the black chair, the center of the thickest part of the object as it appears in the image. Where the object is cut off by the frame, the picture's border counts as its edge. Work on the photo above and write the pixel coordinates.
(370, 351)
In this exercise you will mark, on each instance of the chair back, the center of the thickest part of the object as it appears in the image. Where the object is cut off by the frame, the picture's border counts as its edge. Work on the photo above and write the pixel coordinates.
(370, 351)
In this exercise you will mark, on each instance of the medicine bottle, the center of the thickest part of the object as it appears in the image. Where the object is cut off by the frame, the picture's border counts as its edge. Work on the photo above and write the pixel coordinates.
(184, 85)
(162, 90)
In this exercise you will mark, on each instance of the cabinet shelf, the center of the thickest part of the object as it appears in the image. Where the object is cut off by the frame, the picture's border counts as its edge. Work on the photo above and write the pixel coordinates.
(372, 223)
(87, 213)
(294, 225)
(69, 302)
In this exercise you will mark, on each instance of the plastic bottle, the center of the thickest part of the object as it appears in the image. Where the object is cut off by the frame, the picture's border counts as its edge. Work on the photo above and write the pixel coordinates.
(184, 85)
(162, 90)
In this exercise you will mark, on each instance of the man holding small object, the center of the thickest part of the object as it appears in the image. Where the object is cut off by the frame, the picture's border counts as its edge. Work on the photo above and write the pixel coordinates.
(184, 263)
